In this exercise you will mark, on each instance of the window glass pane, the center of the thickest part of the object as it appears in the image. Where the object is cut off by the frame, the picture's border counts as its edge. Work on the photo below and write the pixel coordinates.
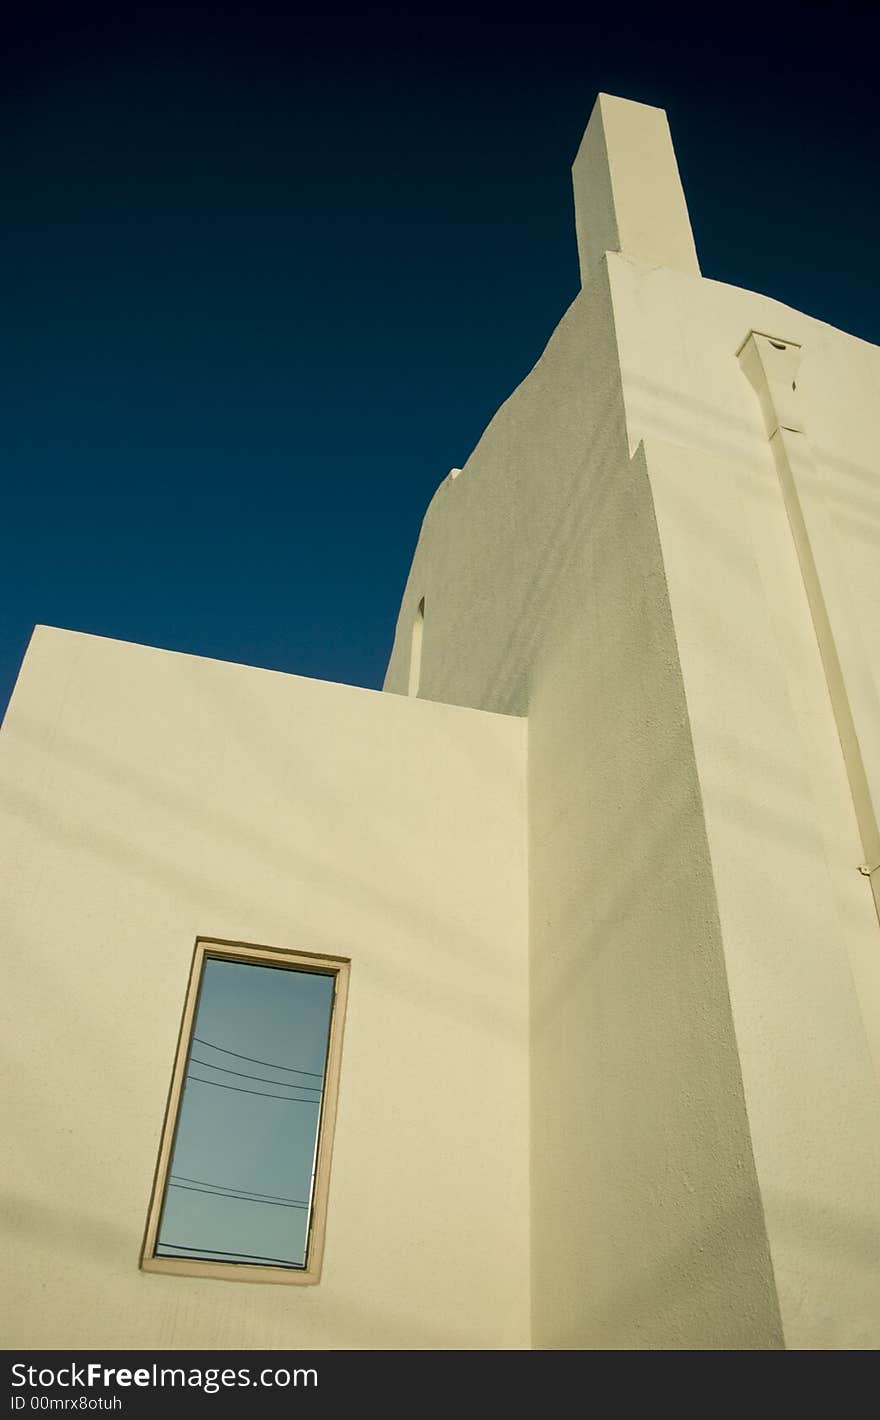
(240, 1185)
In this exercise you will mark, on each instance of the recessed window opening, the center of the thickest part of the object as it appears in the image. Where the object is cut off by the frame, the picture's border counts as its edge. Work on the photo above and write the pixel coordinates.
(242, 1183)
(415, 654)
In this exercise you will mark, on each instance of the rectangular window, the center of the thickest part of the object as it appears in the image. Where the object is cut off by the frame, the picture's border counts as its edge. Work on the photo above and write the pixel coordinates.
(242, 1180)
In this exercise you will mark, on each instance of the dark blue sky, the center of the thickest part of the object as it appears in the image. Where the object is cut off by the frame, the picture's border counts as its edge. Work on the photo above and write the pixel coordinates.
(267, 276)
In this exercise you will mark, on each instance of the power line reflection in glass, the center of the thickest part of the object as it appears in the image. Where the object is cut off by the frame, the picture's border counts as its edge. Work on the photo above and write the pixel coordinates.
(242, 1170)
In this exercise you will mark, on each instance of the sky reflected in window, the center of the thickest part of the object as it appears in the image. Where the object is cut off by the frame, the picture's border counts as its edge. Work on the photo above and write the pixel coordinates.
(241, 1180)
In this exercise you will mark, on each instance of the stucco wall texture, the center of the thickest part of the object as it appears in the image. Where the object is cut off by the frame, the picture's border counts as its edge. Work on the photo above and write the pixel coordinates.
(606, 863)
(616, 561)
(149, 798)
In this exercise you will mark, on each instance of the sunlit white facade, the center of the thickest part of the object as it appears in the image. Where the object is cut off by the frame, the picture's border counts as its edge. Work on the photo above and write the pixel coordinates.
(604, 857)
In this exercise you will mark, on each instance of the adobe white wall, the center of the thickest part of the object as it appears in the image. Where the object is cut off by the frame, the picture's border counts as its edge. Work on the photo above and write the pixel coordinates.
(627, 191)
(544, 589)
(148, 798)
(705, 954)
(615, 560)
(800, 928)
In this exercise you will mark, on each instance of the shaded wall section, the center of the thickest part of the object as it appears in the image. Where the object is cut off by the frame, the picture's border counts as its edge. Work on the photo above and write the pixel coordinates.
(546, 592)
(683, 598)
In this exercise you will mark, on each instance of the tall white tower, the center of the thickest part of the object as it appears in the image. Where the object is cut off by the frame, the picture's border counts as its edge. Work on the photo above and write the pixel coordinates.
(665, 552)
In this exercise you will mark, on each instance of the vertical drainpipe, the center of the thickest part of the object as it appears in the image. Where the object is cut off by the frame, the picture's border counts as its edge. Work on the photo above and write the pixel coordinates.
(771, 366)
(415, 650)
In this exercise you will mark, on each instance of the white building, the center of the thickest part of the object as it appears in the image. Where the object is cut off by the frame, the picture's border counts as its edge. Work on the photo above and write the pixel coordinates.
(604, 858)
